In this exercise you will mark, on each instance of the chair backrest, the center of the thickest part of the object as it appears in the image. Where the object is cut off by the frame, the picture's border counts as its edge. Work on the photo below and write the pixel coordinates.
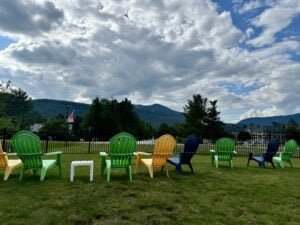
(273, 147)
(3, 158)
(289, 149)
(28, 148)
(225, 148)
(190, 147)
(121, 148)
(163, 148)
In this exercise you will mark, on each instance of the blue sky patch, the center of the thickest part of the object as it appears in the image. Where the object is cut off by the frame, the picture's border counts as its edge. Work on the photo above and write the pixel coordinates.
(240, 89)
(5, 42)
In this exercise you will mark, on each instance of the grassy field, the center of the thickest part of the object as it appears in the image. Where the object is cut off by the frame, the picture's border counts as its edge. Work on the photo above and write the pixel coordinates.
(250, 196)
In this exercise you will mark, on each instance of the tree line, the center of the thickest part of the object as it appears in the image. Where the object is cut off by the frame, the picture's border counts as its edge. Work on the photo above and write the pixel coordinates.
(106, 117)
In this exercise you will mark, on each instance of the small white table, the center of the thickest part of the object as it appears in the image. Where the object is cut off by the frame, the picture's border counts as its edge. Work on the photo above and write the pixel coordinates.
(82, 163)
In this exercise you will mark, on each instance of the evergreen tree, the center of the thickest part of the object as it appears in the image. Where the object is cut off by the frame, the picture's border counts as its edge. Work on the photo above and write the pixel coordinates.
(195, 113)
(214, 126)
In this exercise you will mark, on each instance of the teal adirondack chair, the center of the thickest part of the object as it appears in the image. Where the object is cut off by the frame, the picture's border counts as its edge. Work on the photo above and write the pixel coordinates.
(121, 149)
(28, 148)
(223, 152)
(285, 156)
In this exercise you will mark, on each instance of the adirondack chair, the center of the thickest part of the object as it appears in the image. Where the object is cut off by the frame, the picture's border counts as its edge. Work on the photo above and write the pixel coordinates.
(121, 149)
(163, 148)
(28, 148)
(8, 164)
(190, 147)
(285, 156)
(273, 147)
(223, 152)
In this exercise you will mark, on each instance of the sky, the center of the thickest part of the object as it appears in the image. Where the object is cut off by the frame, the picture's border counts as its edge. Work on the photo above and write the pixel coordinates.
(245, 54)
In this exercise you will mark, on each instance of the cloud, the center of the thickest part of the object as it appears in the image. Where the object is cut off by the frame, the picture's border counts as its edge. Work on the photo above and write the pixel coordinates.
(274, 20)
(249, 6)
(29, 17)
(149, 51)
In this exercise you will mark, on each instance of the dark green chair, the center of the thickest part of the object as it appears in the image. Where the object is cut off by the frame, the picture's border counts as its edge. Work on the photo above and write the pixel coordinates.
(28, 147)
(121, 149)
(223, 152)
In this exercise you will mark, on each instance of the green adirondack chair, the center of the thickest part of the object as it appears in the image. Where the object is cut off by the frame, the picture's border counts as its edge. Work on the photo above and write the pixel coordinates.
(28, 148)
(121, 149)
(285, 156)
(223, 152)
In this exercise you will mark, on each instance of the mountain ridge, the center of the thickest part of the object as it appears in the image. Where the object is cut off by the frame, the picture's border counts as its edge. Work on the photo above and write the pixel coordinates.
(265, 121)
(154, 114)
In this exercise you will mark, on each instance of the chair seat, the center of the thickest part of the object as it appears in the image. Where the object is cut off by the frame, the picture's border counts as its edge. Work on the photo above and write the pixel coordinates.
(49, 162)
(277, 158)
(147, 161)
(14, 162)
(258, 158)
(174, 160)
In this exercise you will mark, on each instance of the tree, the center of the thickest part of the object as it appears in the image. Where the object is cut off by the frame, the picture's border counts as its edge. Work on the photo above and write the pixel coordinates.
(6, 122)
(17, 105)
(244, 136)
(293, 132)
(93, 118)
(214, 126)
(195, 113)
(56, 128)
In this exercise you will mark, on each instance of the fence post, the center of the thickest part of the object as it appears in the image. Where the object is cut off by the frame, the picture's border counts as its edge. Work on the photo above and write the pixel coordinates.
(3, 141)
(47, 140)
(89, 148)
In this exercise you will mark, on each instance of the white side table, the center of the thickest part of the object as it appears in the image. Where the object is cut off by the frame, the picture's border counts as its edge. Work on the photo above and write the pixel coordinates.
(82, 163)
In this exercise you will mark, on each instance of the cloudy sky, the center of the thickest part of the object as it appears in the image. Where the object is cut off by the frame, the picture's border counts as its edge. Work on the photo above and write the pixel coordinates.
(245, 54)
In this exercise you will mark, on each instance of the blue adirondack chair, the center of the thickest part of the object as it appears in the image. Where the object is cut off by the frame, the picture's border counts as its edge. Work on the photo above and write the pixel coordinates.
(190, 147)
(273, 147)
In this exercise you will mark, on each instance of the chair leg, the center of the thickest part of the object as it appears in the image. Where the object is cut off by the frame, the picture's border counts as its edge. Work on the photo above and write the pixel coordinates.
(290, 162)
(190, 165)
(179, 169)
(150, 169)
(43, 173)
(216, 161)
(108, 174)
(167, 172)
(249, 158)
(231, 164)
(103, 165)
(273, 165)
(21, 173)
(7, 172)
(129, 172)
(212, 159)
(138, 162)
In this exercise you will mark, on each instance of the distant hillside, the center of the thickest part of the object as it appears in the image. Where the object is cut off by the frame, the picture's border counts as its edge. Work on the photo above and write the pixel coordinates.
(264, 121)
(154, 114)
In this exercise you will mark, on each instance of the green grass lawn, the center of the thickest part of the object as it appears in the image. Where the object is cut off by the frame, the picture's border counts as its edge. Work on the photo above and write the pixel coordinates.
(210, 196)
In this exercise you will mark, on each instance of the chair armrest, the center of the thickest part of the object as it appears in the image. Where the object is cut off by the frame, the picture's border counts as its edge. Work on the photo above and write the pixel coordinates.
(143, 153)
(103, 154)
(234, 152)
(53, 153)
(212, 151)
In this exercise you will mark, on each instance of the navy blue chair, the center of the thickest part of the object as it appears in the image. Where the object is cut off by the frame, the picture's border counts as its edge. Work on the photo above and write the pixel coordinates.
(190, 147)
(273, 147)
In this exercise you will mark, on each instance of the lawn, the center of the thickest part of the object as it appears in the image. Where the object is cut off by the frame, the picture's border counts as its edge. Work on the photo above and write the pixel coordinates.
(210, 196)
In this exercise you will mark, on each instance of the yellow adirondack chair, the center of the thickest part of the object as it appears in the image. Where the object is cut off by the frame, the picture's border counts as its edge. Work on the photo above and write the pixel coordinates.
(163, 148)
(8, 164)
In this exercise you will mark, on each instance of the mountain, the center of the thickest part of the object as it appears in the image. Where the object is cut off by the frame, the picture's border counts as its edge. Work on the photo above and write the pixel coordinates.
(154, 114)
(265, 121)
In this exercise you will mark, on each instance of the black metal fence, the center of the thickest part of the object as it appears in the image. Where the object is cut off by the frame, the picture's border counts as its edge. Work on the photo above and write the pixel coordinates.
(89, 144)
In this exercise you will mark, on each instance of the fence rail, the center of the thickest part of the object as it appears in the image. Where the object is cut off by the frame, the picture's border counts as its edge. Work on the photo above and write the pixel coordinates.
(93, 145)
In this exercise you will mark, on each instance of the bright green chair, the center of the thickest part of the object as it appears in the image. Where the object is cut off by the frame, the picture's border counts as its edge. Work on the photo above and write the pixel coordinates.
(223, 152)
(285, 156)
(28, 148)
(121, 149)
